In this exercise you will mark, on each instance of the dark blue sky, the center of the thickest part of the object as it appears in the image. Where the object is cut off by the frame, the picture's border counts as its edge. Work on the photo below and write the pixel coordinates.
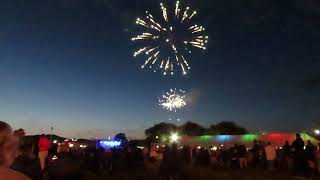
(68, 64)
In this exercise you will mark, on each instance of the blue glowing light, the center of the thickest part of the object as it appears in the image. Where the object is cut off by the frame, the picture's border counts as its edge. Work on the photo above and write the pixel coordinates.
(109, 143)
(223, 138)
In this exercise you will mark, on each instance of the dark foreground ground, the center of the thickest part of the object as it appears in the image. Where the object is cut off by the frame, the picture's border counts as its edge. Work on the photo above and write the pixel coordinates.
(205, 173)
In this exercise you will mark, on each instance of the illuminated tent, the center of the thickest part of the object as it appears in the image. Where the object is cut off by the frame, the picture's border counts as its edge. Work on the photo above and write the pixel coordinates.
(276, 139)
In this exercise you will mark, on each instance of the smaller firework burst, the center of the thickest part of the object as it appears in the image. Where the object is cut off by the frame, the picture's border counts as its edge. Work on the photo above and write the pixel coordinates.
(173, 100)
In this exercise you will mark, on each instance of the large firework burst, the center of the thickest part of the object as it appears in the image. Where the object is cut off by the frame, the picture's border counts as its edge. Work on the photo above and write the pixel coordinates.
(173, 100)
(167, 41)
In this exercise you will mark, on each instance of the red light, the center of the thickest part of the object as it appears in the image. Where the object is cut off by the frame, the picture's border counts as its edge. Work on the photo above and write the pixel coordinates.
(275, 135)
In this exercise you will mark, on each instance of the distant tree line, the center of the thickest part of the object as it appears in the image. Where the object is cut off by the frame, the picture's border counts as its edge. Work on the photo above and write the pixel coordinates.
(163, 130)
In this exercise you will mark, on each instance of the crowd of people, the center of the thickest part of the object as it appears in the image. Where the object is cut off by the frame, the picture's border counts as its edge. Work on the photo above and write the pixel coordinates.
(300, 158)
(303, 159)
(22, 160)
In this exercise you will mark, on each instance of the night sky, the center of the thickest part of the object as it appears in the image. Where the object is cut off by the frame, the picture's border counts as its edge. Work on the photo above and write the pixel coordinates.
(68, 64)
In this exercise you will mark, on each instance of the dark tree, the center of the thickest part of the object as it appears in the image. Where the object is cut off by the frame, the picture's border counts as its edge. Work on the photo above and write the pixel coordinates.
(192, 129)
(159, 130)
(121, 137)
(227, 128)
(19, 132)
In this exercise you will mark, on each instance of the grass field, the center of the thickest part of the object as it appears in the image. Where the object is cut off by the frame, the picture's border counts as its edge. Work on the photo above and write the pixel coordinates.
(204, 173)
(150, 171)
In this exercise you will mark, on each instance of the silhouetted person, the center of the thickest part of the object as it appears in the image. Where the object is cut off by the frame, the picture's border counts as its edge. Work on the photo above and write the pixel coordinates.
(27, 163)
(170, 166)
(298, 154)
(174, 162)
(318, 157)
(286, 148)
(66, 168)
(242, 156)
(165, 163)
(235, 156)
(204, 156)
(286, 154)
(186, 154)
(310, 154)
(255, 152)
(224, 158)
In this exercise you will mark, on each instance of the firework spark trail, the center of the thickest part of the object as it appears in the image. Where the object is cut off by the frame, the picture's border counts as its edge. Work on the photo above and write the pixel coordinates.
(168, 38)
(177, 8)
(173, 100)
